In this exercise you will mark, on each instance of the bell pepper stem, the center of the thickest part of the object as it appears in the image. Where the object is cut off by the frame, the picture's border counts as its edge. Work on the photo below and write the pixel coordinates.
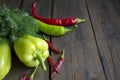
(42, 64)
(32, 75)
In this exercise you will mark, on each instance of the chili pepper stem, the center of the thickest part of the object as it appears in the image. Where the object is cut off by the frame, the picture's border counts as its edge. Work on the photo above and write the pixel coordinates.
(62, 56)
(70, 29)
(44, 37)
(60, 22)
(42, 64)
(32, 75)
(80, 20)
(59, 64)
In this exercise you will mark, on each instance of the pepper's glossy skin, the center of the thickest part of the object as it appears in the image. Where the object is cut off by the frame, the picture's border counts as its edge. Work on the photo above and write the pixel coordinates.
(53, 30)
(5, 59)
(60, 22)
(30, 49)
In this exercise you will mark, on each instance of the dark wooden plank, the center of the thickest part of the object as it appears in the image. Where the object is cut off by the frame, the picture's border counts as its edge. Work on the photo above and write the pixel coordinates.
(43, 9)
(105, 16)
(82, 60)
(11, 3)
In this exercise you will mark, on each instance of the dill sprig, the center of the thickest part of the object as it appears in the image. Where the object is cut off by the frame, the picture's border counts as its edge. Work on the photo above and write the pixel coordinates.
(15, 23)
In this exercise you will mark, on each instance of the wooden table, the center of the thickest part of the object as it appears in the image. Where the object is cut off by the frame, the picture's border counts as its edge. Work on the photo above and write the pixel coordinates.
(92, 52)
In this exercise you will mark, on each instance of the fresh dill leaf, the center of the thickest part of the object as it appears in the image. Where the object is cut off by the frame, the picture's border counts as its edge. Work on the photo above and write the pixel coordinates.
(4, 11)
(15, 23)
(25, 23)
(4, 21)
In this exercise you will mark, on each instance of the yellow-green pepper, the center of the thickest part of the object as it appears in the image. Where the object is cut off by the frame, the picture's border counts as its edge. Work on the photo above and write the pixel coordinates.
(32, 51)
(5, 59)
(53, 30)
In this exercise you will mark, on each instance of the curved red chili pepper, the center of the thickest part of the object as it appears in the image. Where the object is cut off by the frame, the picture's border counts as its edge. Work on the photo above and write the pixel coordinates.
(60, 22)
(51, 46)
(24, 77)
(52, 64)
(59, 64)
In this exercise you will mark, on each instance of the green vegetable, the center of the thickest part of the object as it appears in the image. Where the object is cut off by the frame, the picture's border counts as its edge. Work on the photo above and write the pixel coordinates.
(53, 30)
(32, 51)
(19, 28)
(33, 73)
(5, 59)
(15, 23)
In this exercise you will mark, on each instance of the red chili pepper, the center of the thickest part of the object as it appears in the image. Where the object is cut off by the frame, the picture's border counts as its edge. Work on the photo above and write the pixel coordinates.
(60, 22)
(24, 77)
(30, 79)
(51, 46)
(59, 64)
(52, 64)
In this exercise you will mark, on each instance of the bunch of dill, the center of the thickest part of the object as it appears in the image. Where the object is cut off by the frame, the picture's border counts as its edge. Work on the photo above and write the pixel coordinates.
(15, 23)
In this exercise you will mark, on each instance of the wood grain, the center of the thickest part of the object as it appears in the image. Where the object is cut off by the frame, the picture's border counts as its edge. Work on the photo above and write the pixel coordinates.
(11, 3)
(82, 60)
(91, 51)
(105, 17)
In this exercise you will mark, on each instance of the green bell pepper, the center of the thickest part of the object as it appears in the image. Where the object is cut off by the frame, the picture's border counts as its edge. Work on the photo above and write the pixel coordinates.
(5, 59)
(32, 51)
